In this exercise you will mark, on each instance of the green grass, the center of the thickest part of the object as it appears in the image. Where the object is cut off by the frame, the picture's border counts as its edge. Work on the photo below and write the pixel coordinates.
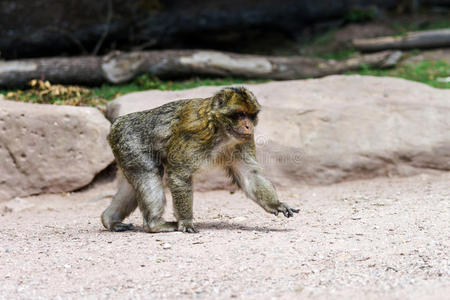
(145, 82)
(337, 55)
(428, 72)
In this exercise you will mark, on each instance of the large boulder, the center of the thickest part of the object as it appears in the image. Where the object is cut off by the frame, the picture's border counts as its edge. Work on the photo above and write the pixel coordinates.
(49, 148)
(337, 128)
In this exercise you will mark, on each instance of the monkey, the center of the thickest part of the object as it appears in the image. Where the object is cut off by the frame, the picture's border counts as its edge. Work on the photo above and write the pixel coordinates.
(178, 139)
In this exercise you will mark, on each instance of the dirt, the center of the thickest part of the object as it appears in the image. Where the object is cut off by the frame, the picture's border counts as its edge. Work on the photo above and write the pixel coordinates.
(433, 55)
(386, 238)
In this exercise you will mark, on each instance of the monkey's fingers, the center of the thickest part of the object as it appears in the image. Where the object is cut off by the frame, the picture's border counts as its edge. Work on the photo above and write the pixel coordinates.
(192, 230)
(122, 227)
(186, 229)
(292, 211)
(286, 210)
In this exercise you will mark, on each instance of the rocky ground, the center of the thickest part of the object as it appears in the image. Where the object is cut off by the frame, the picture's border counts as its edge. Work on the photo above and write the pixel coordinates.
(386, 238)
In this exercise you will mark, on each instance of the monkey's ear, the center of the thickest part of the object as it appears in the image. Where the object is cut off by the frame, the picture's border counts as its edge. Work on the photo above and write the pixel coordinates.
(223, 96)
(220, 99)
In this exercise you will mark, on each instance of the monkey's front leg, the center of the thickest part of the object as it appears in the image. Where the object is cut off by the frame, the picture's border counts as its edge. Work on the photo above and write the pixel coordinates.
(259, 189)
(265, 195)
(181, 188)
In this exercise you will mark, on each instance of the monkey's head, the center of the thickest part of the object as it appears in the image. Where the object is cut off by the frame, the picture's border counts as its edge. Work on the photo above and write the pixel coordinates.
(236, 111)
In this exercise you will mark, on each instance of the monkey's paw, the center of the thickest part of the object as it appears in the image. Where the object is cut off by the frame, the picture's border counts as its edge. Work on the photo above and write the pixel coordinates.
(286, 210)
(121, 227)
(186, 226)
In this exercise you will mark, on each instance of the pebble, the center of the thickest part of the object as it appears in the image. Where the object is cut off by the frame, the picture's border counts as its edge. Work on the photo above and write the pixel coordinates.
(166, 246)
(239, 219)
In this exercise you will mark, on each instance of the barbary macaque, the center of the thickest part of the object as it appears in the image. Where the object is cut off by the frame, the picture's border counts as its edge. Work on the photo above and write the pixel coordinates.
(177, 139)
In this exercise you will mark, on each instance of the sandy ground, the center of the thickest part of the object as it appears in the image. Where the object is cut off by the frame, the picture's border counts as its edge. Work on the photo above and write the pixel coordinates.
(386, 238)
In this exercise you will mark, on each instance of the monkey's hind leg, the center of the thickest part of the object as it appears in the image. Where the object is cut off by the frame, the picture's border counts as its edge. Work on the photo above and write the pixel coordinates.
(151, 200)
(122, 205)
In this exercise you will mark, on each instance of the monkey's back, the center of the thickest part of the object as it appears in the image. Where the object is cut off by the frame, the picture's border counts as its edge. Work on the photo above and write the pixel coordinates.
(143, 133)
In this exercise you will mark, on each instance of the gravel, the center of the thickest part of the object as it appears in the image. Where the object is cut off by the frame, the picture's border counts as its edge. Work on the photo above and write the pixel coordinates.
(385, 238)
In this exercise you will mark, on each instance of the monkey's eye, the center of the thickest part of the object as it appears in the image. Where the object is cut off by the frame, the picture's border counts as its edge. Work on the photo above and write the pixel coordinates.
(238, 115)
(253, 116)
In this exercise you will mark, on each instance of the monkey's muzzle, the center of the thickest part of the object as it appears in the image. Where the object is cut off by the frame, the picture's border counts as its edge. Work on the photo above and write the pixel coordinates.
(241, 135)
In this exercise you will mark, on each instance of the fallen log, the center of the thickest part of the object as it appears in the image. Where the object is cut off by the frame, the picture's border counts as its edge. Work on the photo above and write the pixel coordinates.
(120, 67)
(419, 40)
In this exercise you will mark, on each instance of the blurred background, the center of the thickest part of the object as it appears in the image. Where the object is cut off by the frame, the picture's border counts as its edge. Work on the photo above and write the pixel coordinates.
(316, 31)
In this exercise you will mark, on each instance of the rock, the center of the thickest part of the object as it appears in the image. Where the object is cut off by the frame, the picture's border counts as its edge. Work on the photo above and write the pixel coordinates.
(166, 246)
(337, 128)
(49, 148)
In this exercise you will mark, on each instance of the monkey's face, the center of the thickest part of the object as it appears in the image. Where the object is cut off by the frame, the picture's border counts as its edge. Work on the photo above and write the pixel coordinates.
(238, 112)
(242, 124)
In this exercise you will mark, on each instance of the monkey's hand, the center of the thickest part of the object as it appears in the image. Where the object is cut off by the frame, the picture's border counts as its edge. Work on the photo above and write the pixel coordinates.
(283, 208)
(186, 226)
